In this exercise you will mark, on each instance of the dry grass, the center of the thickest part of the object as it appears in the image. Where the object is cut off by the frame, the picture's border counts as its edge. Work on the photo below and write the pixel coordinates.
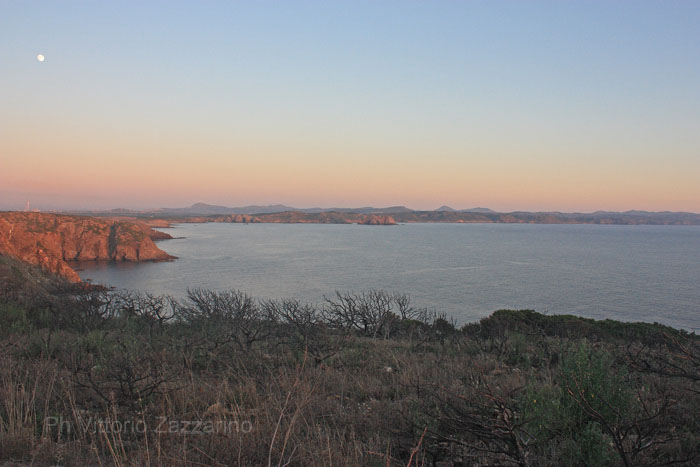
(132, 386)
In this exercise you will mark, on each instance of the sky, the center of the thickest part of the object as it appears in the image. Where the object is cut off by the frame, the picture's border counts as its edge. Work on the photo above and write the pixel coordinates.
(558, 105)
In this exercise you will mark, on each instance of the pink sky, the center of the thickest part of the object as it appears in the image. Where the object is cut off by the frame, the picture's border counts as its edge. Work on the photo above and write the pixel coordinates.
(569, 107)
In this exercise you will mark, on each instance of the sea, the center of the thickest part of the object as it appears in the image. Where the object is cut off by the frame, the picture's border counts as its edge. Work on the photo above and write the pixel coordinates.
(466, 271)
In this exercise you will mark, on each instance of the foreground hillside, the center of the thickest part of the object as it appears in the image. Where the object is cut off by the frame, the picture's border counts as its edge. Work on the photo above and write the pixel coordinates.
(97, 378)
(51, 241)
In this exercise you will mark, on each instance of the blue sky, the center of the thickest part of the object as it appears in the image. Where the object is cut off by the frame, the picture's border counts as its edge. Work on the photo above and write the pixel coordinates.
(560, 105)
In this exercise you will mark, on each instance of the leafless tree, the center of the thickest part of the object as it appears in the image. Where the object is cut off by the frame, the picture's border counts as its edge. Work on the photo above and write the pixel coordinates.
(373, 313)
(476, 424)
(227, 316)
(302, 325)
(676, 358)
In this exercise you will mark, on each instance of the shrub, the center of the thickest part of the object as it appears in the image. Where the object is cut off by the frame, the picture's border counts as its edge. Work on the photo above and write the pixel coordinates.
(583, 412)
(221, 318)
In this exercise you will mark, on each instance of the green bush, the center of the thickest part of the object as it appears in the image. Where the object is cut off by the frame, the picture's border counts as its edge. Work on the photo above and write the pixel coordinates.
(578, 414)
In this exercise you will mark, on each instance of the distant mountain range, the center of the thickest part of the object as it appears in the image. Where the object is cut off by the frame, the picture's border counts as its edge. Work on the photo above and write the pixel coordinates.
(449, 209)
(284, 213)
(202, 209)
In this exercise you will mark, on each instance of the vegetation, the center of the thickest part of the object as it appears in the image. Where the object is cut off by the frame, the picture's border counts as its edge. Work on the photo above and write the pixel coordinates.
(94, 377)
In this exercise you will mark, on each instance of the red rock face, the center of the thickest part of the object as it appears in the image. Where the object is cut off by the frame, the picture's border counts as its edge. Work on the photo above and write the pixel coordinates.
(51, 240)
(379, 220)
(239, 218)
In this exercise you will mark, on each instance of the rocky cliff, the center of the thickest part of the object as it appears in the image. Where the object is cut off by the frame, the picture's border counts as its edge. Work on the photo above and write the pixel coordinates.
(51, 240)
(379, 220)
(238, 219)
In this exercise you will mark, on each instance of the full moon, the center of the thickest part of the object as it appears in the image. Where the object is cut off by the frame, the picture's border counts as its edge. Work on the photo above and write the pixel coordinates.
(40, 57)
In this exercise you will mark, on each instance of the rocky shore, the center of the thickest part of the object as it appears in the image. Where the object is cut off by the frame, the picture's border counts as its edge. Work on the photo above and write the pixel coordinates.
(51, 241)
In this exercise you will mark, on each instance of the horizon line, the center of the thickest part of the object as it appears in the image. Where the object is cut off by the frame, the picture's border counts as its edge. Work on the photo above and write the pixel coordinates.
(334, 208)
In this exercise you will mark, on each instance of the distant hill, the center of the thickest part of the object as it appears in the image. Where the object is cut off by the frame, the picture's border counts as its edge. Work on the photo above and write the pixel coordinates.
(483, 210)
(284, 213)
(202, 209)
(449, 209)
(363, 210)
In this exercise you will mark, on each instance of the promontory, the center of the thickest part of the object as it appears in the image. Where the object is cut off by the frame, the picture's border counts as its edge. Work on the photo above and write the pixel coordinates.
(52, 241)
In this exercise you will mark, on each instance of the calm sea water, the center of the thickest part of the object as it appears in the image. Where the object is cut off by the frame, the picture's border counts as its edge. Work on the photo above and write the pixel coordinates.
(629, 273)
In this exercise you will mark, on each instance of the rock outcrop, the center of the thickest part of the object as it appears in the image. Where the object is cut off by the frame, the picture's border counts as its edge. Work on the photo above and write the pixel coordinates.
(238, 219)
(379, 220)
(52, 240)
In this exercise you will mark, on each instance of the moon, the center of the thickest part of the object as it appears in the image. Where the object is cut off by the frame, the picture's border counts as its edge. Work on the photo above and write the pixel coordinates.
(40, 57)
